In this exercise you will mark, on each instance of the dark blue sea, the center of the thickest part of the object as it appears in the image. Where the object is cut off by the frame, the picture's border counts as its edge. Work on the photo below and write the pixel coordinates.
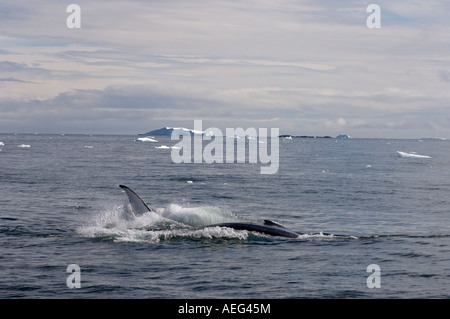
(354, 203)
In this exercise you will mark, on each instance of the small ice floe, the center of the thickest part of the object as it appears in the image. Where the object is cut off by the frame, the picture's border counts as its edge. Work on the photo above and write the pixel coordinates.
(189, 182)
(411, 155)
(165, 147)
(2, 144)
(24, 146)
(88, 146)
(146, 139)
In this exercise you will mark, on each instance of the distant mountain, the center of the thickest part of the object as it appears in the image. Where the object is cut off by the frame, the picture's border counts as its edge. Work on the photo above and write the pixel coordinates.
(169, 130)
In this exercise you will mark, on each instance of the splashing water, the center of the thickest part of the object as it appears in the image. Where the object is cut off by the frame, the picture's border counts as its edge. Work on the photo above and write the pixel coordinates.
(113, 223)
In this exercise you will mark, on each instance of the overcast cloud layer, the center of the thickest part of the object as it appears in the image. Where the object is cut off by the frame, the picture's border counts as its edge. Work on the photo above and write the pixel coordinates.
(306, 67)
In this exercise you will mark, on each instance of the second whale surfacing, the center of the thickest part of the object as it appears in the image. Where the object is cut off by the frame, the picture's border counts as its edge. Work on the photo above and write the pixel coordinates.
(139, 207)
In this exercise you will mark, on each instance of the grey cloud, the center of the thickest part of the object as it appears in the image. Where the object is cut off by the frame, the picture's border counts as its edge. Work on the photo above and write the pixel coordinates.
(23, 69)
(11, 79)
(305, 63)
(6, 66)
(444, 75)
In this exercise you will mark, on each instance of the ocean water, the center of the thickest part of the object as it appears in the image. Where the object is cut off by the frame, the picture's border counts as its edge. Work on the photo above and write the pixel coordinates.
(354, 203)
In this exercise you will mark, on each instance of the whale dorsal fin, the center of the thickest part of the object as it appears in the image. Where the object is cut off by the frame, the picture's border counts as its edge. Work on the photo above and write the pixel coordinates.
(269, 222)
(137, 204)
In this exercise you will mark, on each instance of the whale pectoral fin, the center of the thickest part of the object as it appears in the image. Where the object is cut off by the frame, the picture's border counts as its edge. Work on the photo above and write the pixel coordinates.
(269, 222)
(137, 204)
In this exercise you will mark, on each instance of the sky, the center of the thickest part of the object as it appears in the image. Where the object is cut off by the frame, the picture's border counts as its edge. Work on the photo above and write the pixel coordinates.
(305, 67)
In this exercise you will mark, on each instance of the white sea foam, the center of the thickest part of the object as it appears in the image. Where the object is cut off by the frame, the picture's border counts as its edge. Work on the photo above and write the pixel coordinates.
(199, 216)
(174, 221)
(317, 235)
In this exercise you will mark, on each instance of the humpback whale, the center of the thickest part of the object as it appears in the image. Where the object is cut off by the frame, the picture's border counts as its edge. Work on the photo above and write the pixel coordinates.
(139, 207)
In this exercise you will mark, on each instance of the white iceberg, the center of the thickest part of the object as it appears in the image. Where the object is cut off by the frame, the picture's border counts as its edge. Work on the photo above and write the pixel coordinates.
(165, 147)
(146, 139)
(411, 155)
(24, 146)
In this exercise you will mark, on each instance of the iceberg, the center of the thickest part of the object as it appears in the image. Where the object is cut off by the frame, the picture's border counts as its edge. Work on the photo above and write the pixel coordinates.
(343, 136)
(146, 139)
(165, 147)
(411, 155)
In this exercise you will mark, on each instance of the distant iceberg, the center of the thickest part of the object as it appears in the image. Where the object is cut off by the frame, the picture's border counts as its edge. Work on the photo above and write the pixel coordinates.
(165, 147)
(146, 139)
(411, 155)
(343, 136)
(433, 139)
(24, 146)
(2, 144)
(168, 131)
